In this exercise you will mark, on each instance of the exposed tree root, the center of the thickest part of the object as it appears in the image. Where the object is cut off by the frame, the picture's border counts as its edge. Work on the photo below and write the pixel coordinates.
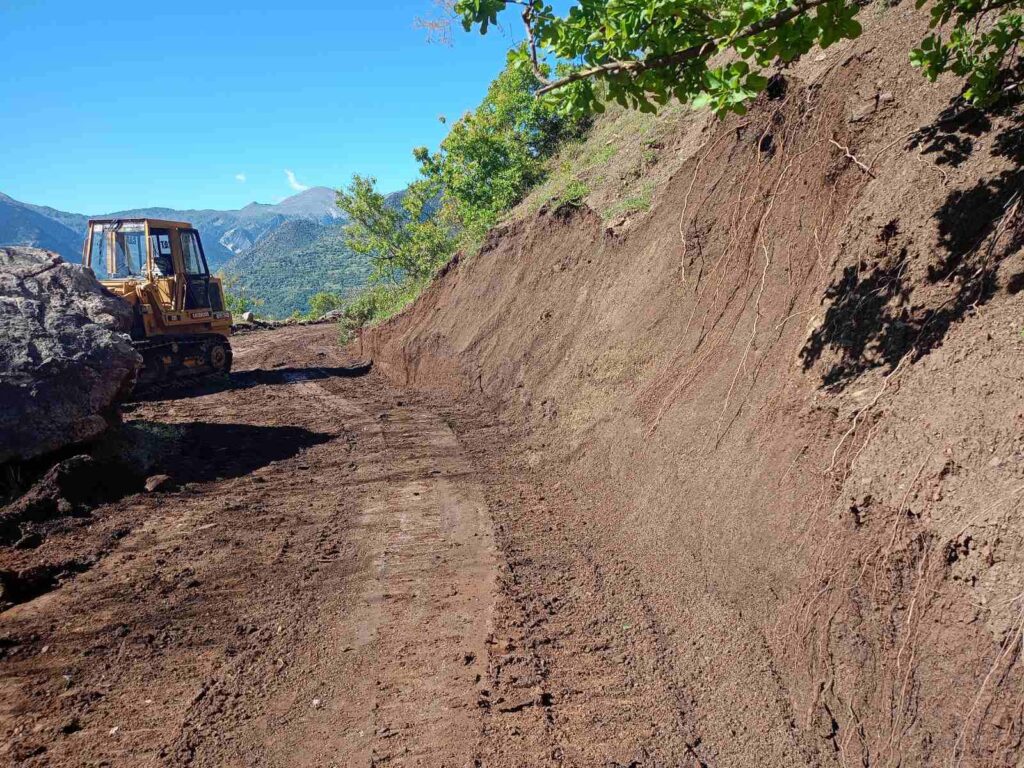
(887, 380)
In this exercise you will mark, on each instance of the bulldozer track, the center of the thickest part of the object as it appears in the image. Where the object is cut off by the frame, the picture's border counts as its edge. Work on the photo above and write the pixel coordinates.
(181, 375)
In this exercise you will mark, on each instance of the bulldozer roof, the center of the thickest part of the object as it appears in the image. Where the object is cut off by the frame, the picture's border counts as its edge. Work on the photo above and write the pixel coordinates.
(160, 223)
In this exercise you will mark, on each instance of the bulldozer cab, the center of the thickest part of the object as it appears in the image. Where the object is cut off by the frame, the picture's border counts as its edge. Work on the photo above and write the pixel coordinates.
(163, 252)
(160, 267)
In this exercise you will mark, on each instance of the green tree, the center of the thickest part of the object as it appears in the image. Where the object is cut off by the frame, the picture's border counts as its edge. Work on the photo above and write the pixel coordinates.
(322, 302)
(645, 52)
(236, 299)
(375, 304)
(495, 154)
(403, 240)
(490, 159)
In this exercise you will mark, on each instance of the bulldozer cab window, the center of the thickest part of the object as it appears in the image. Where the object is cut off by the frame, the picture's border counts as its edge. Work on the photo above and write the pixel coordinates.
(192, 253)
(197, 275)
(129, 254)
(160, 247)
(98, 252)
(117, 253)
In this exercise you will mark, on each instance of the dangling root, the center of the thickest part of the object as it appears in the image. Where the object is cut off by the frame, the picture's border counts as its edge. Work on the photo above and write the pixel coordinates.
(889, 378)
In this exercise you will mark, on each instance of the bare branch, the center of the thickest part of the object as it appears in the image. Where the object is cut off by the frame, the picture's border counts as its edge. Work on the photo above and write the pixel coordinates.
(531, 40)
(438, 26)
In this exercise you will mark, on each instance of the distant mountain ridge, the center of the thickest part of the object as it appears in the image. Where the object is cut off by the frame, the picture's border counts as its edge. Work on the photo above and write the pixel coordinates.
(22, 224)
(306, 255)
(225, 233)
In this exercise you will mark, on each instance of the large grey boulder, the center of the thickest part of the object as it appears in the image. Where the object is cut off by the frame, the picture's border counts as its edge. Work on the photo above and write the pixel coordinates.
(64, 357)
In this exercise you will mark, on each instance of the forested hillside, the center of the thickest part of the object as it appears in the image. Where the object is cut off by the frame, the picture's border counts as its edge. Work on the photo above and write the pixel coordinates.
(26, 225)
(225, 233)
(229, 233)
(283, 270)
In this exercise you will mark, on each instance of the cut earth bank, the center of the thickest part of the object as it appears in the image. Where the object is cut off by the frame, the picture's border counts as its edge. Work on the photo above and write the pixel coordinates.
(791, 395)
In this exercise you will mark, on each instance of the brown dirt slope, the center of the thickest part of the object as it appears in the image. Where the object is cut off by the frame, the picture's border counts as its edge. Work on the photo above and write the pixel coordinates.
(791, 396)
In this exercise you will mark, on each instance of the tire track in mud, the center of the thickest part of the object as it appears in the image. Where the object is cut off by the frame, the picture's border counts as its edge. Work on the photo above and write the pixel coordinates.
(393, 679)
(369, 576)
(327, 608)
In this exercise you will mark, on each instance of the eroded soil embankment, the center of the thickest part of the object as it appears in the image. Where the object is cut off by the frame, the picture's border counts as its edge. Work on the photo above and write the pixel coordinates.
(791, 395)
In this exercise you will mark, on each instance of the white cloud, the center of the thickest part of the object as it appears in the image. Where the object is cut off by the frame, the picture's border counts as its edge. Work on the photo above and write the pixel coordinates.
(293, 182)
(240, 177)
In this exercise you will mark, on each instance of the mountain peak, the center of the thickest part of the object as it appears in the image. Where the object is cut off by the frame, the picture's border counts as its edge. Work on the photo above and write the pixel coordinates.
(314, 203)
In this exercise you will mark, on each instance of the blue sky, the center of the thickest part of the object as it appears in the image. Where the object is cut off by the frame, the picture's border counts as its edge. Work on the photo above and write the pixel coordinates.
(106, 106)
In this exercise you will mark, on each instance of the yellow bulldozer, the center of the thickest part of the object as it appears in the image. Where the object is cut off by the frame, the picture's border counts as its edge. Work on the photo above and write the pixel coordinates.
(181, 326)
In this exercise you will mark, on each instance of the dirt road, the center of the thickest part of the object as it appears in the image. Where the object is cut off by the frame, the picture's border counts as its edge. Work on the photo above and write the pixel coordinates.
(322, 599)
(346, 574)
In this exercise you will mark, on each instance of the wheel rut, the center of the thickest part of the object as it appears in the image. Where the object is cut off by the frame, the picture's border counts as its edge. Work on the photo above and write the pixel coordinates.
(347, 573)
(329, 606)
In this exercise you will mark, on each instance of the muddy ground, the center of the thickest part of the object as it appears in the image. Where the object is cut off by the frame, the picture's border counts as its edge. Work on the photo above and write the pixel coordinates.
(737, 481)
(342, 573)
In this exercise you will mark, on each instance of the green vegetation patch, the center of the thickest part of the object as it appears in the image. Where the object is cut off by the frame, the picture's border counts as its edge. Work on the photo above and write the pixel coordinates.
(491, 158)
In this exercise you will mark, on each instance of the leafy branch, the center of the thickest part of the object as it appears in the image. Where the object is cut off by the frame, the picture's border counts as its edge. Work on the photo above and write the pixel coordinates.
(401, 239)
(645, 52)
(982, 45)
(678, 57)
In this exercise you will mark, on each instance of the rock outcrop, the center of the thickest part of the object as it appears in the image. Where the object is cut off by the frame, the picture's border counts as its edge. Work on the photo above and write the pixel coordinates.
(65, 359)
